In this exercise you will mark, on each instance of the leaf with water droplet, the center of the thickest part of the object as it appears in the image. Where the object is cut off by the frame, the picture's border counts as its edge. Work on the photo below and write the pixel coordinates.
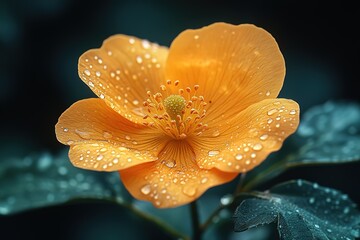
(302, 212)
(46, 180)
(328, 134)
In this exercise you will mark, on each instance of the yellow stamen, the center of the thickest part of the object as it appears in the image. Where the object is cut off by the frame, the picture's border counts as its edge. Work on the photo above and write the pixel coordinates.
(178, 115)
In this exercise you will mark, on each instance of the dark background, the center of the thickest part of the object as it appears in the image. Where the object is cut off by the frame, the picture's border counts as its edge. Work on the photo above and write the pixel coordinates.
(40, 42)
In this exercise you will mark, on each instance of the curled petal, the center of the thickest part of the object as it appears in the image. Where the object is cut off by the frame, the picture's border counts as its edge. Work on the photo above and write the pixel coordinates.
(234, 66)
(243, 142)
(173, 180)
(101, 139)
(122, 71)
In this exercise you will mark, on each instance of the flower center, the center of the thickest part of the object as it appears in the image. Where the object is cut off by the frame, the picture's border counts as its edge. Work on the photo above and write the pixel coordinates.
(178, 115)
(174, 105)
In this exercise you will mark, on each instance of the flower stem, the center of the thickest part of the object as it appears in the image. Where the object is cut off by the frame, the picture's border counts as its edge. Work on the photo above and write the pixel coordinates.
(166, 228)
(195, 221)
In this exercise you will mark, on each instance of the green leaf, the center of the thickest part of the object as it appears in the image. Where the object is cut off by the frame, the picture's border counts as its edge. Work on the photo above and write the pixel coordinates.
(303, 211)
(329, 133)
(45, 180)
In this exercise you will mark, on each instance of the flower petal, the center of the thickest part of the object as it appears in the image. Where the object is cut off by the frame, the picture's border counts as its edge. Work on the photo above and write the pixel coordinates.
(243, 142)
(122, 71)
(101, 139)
(234, 66)
(173, 180)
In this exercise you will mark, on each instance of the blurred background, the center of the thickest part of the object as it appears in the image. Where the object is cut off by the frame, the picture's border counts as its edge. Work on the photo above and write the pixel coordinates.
(40, 42)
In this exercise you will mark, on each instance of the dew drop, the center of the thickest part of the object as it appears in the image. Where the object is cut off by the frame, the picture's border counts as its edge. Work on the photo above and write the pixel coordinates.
(253, 155)
(82, 134)
(216, 133)
(107, 135)
(100, 157)
(87, 72)
(146, 189)
(317, 226)
(70, 142)
(127, 137)
(247, 162)
(131, 41)
(91, 84)
(271, 112)
(346, 210)
(292, 112)
(311, 200)
(213, 153)
(196, 37)
(257, 146)
(135, 102)
(170, 163)
(226, 200)
(270, 120)
(139, 60)
(238, 156)
(145, 44)
(204, 180)
(98, 74)
(267, 93)
(65, 130)
(115, 160)
(102, 96)
(264, 137)
(189, 191)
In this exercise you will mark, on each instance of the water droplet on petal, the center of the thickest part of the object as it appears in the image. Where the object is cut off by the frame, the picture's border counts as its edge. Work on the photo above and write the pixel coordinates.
(127, 137)
(257, 147)
(213, 153)
(107, 135)
(145, 44)
(238, 156)
(311, 200)
(146, 189)
(170, 163)
(139, 59)
(65, 130)
(135, 102)
(267, 93)
(84, 135)
(271, 112)
(264, 137)
(100, 157)
(292, 112)
(102, 96)
(204, 180)
(87, 72)
(216, 133)
(189, 191)
(98, 74)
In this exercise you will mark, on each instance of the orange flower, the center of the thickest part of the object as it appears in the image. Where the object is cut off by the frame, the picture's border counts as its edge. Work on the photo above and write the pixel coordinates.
(175, 122)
